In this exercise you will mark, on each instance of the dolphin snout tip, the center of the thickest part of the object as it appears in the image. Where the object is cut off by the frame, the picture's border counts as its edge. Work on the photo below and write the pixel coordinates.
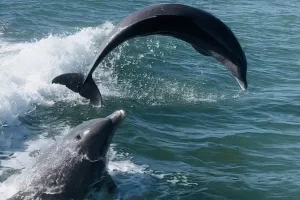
(117, 116)
(122, 113)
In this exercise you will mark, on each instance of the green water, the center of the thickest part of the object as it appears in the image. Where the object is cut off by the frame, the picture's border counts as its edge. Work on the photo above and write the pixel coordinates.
(190, 133)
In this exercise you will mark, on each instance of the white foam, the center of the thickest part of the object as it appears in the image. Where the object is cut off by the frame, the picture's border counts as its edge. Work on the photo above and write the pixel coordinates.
(174, 178)
(23, 161)
(3, 26)
(119, 162)
(26, 69)
(20, 160)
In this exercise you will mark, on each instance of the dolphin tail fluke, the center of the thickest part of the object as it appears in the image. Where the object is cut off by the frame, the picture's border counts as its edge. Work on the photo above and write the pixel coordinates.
(90, 91)
(73, 81)
(77, 83)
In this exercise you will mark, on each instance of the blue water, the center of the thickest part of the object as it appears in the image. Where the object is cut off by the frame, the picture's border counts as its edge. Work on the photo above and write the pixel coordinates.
(190, 132)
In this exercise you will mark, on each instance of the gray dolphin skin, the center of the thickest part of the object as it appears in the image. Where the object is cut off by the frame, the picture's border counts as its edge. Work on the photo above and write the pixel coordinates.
(207, 34)
(76, 164)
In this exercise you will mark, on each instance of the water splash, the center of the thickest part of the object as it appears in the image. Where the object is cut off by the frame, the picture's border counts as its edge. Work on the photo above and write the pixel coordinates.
(26, 69)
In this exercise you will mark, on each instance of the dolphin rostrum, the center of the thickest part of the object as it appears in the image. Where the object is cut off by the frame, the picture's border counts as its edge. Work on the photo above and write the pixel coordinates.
(206, 33)
(76, 164)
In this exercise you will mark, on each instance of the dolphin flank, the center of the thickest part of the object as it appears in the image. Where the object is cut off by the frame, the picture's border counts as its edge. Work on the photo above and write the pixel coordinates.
(207, 34)
(76, 164)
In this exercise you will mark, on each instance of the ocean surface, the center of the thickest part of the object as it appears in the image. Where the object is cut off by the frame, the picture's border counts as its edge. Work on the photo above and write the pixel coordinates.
(190, 132)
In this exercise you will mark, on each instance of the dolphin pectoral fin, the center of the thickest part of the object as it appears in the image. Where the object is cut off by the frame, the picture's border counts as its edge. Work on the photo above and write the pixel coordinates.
(236, 71)
(73, 81)
(202, 51)
(90, 91)
(109, 184)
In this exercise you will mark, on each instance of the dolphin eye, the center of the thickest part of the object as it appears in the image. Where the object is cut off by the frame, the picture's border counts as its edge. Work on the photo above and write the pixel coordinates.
(78, 137)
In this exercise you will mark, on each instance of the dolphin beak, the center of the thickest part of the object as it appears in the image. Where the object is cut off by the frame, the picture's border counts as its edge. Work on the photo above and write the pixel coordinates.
(242, 84)
(117, 117)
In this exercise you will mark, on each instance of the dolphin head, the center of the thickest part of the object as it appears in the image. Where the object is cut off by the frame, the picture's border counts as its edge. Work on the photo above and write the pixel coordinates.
(94, 136)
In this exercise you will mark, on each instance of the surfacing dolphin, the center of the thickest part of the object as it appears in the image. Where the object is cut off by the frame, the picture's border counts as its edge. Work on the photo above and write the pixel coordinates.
(206, 33)
(73, 166)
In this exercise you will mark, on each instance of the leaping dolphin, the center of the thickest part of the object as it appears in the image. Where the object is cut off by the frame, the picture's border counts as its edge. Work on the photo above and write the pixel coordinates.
(206, 33)
(76, 164)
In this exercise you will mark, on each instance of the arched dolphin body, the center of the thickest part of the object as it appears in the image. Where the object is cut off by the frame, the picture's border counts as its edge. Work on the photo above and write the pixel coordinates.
(206, 33)
(74, 165)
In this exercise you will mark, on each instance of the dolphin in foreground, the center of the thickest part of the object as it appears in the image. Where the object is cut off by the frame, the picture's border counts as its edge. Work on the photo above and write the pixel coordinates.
(207, 34)
(75, 165)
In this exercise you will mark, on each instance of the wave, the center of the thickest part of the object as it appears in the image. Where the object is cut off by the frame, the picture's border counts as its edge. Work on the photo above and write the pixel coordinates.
(26, 69)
